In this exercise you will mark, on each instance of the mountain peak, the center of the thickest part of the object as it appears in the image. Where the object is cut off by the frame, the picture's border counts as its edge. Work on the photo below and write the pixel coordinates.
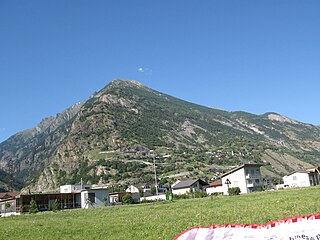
(126, 82)
(280, 118)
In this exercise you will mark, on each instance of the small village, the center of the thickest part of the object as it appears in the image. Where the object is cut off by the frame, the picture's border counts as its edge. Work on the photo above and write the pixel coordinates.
(243, 179)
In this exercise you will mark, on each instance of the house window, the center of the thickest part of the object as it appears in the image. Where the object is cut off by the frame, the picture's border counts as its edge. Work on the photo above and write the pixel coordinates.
(294, 177)
(92, 197)
(249, 181)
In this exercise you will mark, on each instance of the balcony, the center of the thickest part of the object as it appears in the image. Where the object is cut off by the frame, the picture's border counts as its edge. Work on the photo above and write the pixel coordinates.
(253, 176)
(250, 185)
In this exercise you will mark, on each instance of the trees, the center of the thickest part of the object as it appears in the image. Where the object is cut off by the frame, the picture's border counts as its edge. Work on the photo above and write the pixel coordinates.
(33, 206)
(55, 205)
(127, 199)
(153, 190)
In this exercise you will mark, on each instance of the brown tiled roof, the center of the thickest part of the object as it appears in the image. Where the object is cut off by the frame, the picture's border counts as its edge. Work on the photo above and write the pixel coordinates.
(9, 194)
(215, 183)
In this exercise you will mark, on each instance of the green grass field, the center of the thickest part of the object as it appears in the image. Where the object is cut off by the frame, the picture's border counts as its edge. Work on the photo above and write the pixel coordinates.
(162, 220)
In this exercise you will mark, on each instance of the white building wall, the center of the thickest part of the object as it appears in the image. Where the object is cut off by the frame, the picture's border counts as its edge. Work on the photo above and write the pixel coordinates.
(217, 189)
(297, 179)
(246, 178)
(154, 198)
(73, 188)
(100, 195)
(237, 179)
(132, 189)
(180, 191)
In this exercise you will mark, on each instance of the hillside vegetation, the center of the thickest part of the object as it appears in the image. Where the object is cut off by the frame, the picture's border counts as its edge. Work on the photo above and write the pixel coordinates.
(162, 220)
(108, 138)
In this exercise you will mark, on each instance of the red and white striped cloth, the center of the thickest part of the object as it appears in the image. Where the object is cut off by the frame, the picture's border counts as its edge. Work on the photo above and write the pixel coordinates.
(295, 228)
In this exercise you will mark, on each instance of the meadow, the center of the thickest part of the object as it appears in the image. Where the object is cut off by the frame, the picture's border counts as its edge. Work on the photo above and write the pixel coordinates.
(161, 220)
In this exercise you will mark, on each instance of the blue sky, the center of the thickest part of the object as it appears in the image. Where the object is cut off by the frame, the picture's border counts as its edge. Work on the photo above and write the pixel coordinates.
(251, 55)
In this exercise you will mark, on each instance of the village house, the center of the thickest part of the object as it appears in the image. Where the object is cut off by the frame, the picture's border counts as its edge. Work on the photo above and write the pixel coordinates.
(69, 197)
(115, 198)
(247, 177)
(215, 188)
(145, 188)
(8, 203)
(188, 186)
(94, 197)
(303, 178)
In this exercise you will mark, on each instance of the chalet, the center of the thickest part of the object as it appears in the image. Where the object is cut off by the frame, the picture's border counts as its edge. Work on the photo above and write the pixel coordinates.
(303, 178)
(188, 186)
(247, 177)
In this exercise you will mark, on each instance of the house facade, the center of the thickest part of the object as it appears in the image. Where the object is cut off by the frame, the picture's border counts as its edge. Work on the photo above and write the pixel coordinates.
(188, 186)
(94, 197)
(247, 177)
(145, 188)
(215, 188)
(302, 178)
(8, 204)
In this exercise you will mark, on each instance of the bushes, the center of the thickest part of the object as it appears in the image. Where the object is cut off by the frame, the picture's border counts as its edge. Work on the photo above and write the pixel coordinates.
(234, 191)
(199, 194)
(127, 199)
(196, 194)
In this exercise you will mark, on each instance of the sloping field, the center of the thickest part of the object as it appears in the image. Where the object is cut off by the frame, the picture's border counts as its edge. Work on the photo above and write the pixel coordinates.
(162, 220)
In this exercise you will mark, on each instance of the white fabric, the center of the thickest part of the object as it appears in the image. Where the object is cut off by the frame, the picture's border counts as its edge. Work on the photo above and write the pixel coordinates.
(307, 228)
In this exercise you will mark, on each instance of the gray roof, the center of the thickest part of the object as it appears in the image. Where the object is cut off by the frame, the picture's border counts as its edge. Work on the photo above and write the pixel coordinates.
(189, 183)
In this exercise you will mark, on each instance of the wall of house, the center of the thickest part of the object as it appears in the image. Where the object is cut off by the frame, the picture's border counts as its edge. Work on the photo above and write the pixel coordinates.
(211, 190)
(237, 179)
(132, 189)
(8, 210)
(99, 200)
(73, 188)
(253, 178)
(154, 198)
(180, 191)
(297, 179)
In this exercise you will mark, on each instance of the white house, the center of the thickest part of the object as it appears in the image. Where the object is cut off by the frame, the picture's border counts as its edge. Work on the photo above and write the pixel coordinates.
(188, 186)
(94, 197)
(146, 188)
(247, 177)
(302, 178)
(214, 187)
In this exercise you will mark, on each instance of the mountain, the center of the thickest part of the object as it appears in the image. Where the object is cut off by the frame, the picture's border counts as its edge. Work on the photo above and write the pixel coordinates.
(108, 138)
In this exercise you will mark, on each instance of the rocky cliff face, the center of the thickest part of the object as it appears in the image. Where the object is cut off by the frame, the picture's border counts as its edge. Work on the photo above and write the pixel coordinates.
(31, 150)
(107, 139)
